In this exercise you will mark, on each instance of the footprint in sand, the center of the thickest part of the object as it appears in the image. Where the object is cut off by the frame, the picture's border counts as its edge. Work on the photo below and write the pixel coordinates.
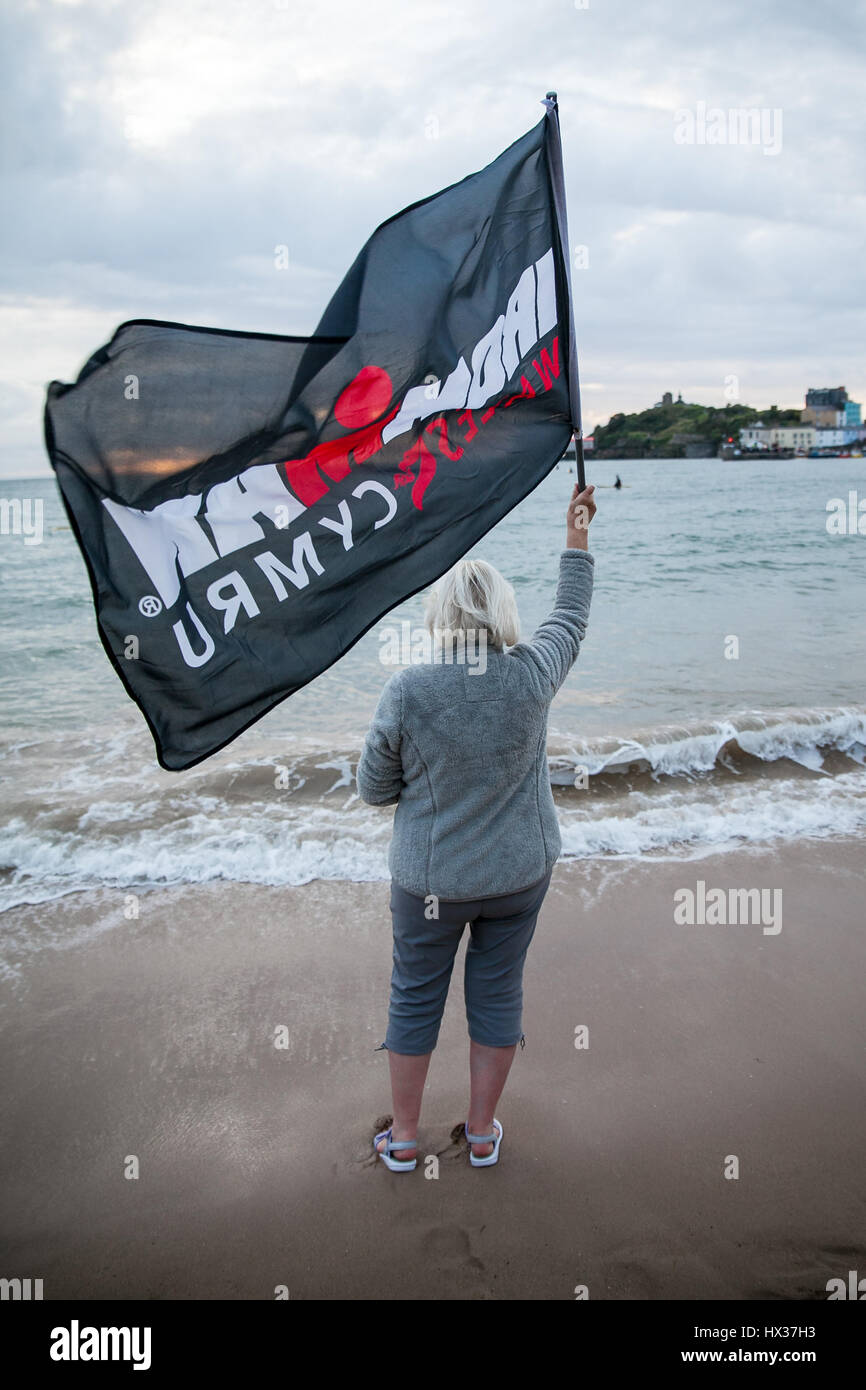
(456, 1146)
(364, 1155)
(810, 1274)
(448, 1249)
(631, 1278)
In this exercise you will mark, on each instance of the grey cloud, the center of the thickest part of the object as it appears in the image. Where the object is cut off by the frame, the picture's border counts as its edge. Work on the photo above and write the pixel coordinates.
(765, 269)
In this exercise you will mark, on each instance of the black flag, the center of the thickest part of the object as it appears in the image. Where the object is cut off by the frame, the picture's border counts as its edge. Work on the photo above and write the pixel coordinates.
(249, 505)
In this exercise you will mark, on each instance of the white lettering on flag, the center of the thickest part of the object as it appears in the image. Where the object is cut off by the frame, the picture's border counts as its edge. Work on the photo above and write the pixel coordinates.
(272, 568)
(170, 542)
(545, 298)
(169, 536)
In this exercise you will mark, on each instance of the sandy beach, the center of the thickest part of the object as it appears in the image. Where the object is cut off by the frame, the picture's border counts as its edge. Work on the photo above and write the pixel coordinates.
(155, 1038)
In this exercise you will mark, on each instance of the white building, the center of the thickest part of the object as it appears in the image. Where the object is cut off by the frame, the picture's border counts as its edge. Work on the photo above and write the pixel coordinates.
(838, 438)
(830, 438)
(755, 437)
(778, 436)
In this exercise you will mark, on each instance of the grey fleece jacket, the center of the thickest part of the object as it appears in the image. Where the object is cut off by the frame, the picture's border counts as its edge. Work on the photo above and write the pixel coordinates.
(464, 756)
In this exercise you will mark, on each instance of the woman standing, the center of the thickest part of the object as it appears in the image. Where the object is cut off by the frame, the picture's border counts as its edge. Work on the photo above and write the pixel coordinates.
(462, 750)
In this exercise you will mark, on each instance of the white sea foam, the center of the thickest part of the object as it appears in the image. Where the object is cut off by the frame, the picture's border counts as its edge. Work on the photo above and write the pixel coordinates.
(803, 737)
(99, 821)
(721, 817)
(203, 846)
(350, 841)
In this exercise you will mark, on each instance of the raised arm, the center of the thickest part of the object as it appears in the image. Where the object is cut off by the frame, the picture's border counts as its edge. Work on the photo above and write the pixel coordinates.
(552, 650)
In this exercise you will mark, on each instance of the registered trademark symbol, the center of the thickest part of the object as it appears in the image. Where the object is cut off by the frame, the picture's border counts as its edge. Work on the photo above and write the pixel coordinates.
(150, 605)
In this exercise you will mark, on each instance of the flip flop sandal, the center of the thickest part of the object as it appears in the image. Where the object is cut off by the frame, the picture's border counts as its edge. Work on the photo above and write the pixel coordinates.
(495, 1138)
(397, 1165)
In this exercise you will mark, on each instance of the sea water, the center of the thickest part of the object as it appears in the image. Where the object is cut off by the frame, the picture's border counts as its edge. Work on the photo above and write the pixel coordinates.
(719, 698)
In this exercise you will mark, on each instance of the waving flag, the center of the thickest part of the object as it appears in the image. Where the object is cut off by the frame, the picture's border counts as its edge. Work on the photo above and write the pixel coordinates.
(249, 505)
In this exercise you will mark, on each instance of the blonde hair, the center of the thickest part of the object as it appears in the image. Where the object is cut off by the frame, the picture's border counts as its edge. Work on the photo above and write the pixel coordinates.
(471, 596)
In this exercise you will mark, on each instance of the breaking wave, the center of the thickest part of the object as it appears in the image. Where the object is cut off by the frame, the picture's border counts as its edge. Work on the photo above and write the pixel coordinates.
(100, 814)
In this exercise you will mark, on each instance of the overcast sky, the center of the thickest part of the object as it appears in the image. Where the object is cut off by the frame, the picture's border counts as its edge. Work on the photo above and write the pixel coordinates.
(155, 154)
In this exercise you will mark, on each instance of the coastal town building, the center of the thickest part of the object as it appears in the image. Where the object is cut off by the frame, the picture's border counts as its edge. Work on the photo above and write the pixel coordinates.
(839, 438)
(800, 438)
(829, 421)
(759, 436)
(829, 406)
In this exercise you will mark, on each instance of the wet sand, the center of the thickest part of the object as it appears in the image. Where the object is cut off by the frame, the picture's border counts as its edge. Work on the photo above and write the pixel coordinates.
(153, 1039)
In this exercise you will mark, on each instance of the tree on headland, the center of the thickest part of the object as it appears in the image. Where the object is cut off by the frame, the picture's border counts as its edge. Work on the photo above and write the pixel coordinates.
(671, 431)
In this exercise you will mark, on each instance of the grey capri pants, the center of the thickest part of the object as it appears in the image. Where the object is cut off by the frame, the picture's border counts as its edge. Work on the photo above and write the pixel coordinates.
(501, 929)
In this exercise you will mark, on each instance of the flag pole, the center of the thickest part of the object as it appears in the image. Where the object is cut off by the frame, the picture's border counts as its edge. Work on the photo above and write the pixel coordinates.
(554, 146)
